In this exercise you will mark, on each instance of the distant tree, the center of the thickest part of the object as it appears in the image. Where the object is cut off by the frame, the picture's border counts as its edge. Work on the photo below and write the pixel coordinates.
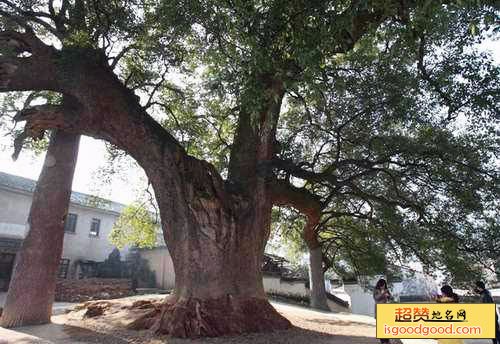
(136, 226)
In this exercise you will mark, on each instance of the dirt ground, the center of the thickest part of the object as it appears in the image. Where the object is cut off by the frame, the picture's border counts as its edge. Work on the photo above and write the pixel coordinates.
(309, 327)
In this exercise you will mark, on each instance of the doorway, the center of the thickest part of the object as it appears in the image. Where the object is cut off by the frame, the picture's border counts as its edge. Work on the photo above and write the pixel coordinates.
(6, 267)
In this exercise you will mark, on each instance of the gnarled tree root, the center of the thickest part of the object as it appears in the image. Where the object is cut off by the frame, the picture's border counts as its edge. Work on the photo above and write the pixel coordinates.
(194, 318)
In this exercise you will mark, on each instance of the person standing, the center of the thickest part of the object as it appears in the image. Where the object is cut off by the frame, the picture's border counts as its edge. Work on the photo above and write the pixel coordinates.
(486, 298)
(381, 294)
(448, 296)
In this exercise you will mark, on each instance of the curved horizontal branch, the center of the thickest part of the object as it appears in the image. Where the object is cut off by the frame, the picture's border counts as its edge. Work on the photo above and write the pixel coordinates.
(40, 118)
(35, 73)
(285, 194)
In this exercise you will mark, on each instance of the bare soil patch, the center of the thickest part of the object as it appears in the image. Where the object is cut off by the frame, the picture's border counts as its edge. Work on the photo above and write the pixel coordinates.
(111, 326)
(69, 290)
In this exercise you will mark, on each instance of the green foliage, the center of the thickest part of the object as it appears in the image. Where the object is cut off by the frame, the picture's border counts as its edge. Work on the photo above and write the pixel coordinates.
(411, 158)
(286, 235)
(12, 103)
(135, 227)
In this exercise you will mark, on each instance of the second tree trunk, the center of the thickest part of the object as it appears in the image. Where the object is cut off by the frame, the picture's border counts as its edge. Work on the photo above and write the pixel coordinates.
(31, 292)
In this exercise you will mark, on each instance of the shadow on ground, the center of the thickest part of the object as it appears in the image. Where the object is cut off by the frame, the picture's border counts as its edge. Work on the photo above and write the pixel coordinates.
(64, 334)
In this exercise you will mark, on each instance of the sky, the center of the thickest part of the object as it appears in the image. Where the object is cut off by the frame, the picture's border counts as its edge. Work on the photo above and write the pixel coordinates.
(125, 188)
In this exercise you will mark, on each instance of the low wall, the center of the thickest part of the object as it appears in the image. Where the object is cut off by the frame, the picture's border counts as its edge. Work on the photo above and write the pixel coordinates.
(274, 284)
(161, 264)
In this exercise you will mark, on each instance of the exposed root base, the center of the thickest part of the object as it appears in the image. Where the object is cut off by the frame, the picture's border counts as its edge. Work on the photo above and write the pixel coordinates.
(19, 321)
(194, 318)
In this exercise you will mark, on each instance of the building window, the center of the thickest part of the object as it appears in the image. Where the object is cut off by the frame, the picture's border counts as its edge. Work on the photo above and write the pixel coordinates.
(94, 227)
(70, 224)
(63, 268)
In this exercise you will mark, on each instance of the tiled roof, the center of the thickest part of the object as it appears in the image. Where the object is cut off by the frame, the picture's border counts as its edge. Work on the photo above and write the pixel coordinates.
(25, 184)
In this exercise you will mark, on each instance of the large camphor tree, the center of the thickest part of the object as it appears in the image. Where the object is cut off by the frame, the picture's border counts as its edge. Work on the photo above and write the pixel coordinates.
(246, 63)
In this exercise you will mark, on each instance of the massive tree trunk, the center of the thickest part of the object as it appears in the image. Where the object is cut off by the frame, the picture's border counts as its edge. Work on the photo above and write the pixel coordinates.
(31, 293)
(217, 256)
(217, 239)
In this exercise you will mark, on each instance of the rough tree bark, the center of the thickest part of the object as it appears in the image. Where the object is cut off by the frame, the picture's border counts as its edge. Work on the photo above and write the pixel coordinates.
(31, 292)
(316, 273)
(216, 230)
(317, 279)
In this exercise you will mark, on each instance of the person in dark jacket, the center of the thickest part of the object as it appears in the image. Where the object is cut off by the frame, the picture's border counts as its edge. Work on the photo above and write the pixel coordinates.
(448, 295)
(381, 294)
(486, 298)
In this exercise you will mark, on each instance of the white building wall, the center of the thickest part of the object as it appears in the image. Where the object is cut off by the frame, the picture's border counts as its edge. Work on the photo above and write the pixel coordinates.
(361, 299)
(161, 264)
(81, 245)
(14, 206)
(14, 211)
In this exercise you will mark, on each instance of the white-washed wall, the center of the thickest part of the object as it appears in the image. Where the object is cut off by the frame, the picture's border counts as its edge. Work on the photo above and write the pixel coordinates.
(161, 263)
(274, 284)
(14, 206)
(361, 299)
(81, 245)
(14, 210)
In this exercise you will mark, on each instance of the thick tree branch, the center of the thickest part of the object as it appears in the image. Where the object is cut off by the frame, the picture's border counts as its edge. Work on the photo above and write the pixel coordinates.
(121, 54)
(38, 119)
(285, 194)
(452, 108)
(21, 42)
(34, 73)
(362, 20)
(25, 18)
(27, 74)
